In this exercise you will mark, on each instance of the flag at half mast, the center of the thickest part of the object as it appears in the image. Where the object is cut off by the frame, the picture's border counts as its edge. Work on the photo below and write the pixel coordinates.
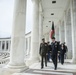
(52, 33)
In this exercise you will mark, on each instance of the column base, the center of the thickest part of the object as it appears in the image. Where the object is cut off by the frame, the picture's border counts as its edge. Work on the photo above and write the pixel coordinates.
(9, 70)
(73, 61)
(31, 61)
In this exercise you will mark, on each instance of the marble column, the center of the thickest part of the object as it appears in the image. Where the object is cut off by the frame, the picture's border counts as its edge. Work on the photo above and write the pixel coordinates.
(35, 32)
(73, 22)
(40, 27)
(18, 36)
(28, 50)
(47, 37)
(57, 34)
(68, 34)
(40, 23)
(9, 45)
(1, 45)
(5, 46)
(60, 30)
(65, 27)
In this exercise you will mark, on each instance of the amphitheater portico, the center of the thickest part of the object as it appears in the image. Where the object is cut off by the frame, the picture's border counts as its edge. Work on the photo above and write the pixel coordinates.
(62, 12)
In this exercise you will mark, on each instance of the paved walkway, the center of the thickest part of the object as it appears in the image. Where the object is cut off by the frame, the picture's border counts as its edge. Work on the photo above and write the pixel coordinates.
(35, 69)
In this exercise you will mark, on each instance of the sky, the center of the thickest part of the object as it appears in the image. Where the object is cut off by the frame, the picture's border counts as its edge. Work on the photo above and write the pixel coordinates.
(6, 17)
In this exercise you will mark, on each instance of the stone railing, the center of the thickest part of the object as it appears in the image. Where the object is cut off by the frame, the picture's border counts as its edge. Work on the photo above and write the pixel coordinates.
(5, 44)
(27, 44)
(4, 57)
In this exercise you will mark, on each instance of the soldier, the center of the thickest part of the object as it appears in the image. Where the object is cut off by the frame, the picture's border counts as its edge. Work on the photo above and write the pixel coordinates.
(54, 47)
(43, 53)
(66, 50)
(59, 47)
(62, 53)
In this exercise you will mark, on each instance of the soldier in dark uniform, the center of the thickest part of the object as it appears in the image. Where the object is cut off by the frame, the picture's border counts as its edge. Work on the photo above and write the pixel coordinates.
(54, 47)
(62, 53)
(66, 50)
(43, 52)
(59, 46)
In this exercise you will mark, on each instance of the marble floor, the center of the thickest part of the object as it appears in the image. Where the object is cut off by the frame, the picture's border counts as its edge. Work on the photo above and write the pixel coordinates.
(35, 69)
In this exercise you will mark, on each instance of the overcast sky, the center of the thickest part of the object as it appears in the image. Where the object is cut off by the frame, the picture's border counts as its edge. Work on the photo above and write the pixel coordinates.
(6, 17)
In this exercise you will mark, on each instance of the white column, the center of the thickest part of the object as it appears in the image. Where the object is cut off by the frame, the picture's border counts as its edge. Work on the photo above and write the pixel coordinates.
(73, 21)
(5, 45)
(47, 37)
(40, 27)
(29, 44)
(35, 32)
(9, 45)
(18, 36)
(68, 34)
(65, 27)
(40, 24)
(57, 34)
(28, 50)
(1, 45)
(60, 31)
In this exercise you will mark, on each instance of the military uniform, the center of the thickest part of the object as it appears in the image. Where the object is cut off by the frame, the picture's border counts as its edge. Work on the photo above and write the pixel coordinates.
(43, 52)
(59, 48)
(62, 52)
(54, 48)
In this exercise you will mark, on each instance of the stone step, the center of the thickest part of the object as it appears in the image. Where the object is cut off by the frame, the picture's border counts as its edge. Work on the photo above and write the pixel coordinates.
(25, 74)
(43, 73)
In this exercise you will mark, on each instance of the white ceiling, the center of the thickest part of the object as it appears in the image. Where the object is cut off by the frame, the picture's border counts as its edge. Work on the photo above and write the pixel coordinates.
(58, 9)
